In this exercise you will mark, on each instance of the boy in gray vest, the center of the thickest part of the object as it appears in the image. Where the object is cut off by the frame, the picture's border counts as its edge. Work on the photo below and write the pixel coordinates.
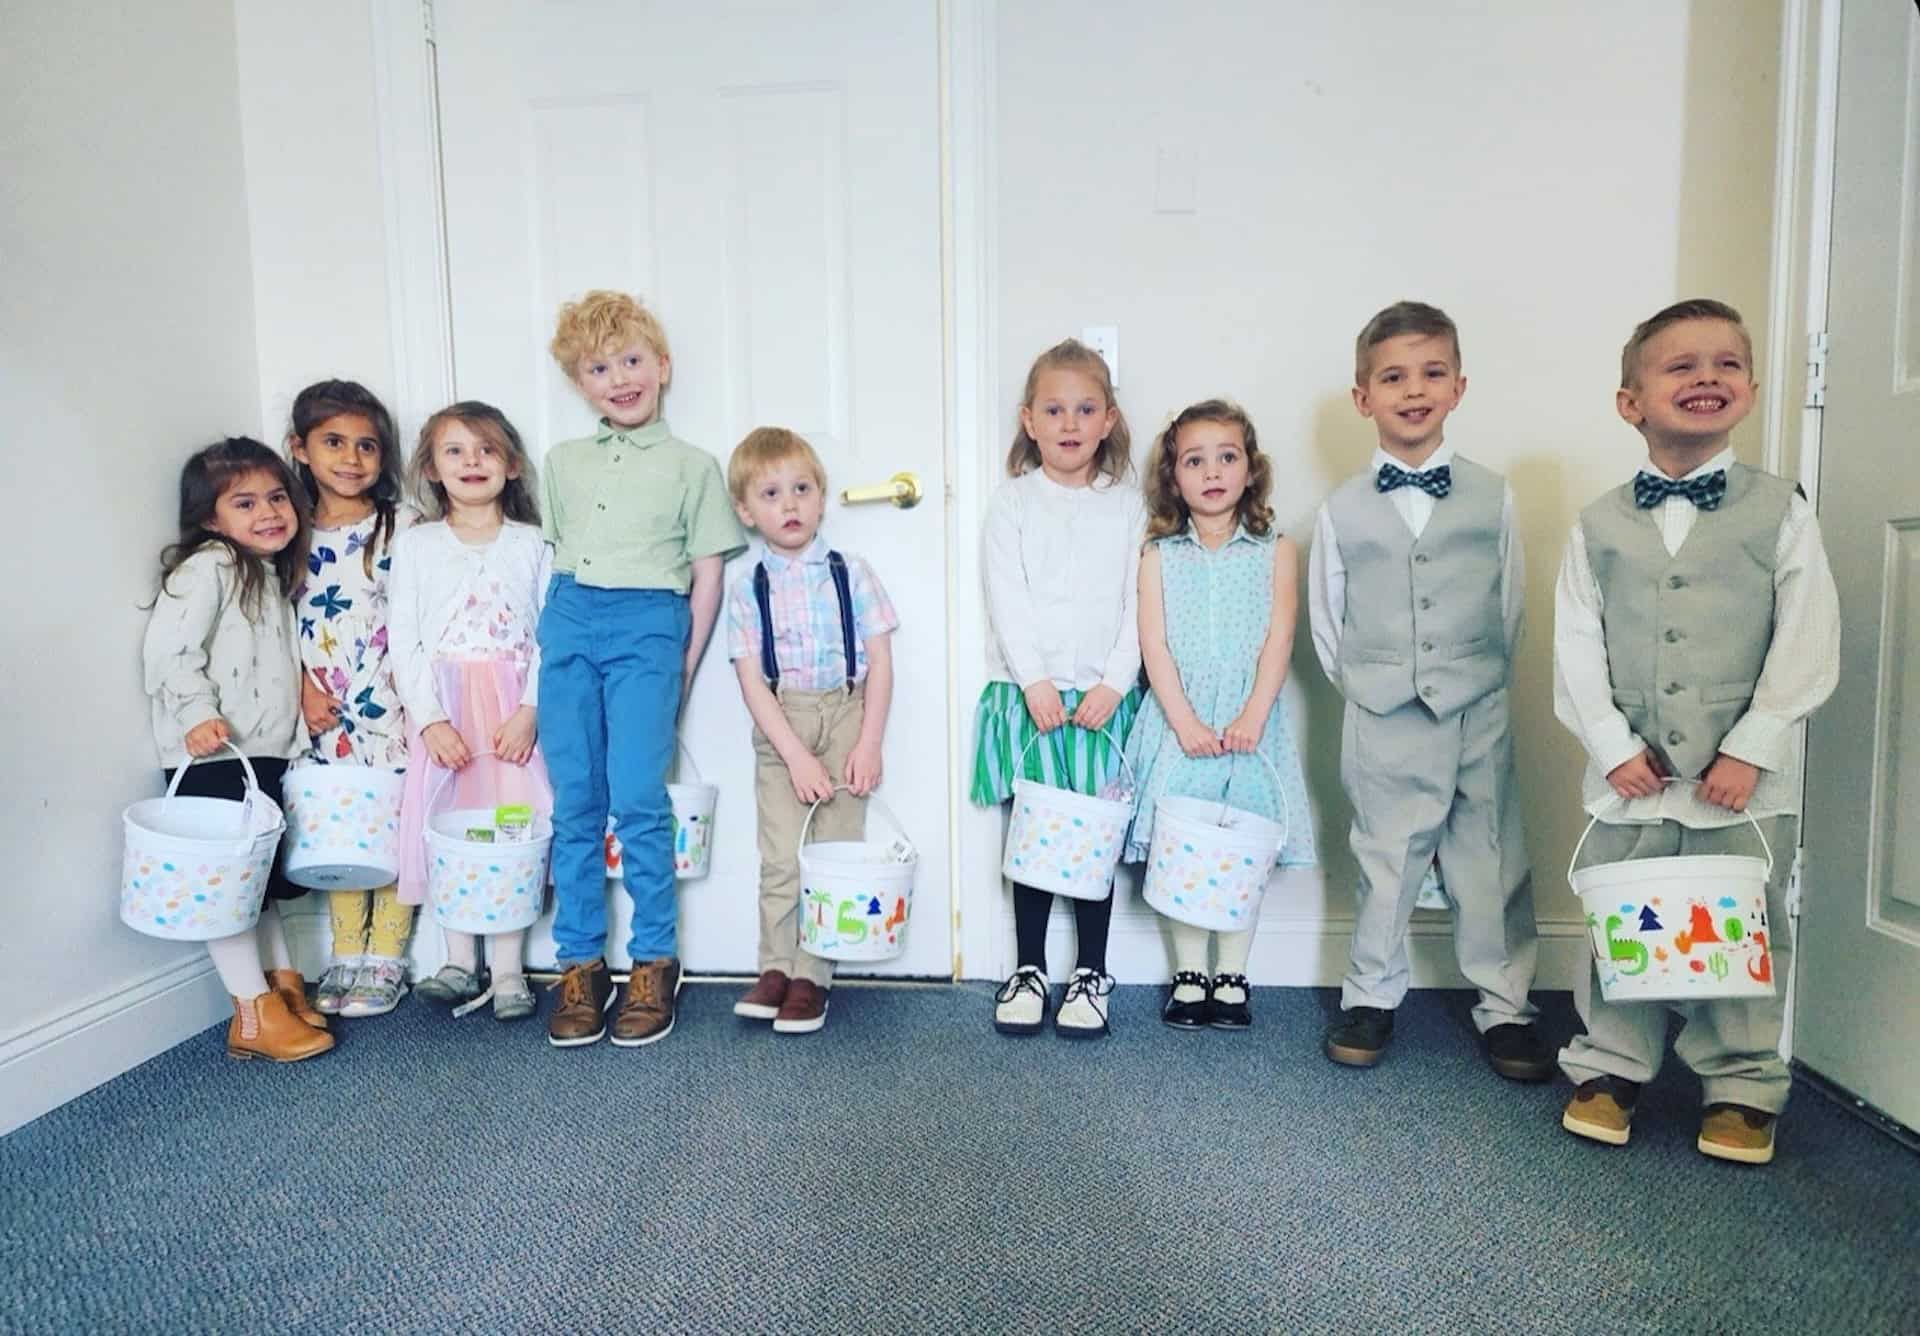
(1695, 623)
(1414, 593)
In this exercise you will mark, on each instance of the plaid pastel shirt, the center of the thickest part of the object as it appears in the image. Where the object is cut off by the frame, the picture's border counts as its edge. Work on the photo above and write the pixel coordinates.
(806, 617)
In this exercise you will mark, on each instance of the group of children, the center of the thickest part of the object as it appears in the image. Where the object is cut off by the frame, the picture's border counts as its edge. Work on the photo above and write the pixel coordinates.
(1696, 623)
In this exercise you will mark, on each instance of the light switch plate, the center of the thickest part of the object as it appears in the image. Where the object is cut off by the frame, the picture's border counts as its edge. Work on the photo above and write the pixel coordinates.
(1105, 340)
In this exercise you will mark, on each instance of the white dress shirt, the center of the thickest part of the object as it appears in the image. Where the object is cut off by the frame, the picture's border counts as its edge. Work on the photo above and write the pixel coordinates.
(1801, 669)
(1062, 577)
(1327, 574)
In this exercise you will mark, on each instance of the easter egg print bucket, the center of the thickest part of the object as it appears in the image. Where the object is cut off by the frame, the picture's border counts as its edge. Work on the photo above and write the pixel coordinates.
(1208, 862)
(1062, 841)
(194, 869)
(693, 808)
(1689, 928)
(343, 827)
(855, 895)
(482, 887)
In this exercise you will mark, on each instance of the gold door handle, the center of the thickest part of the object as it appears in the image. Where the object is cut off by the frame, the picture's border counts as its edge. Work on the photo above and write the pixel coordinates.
(903, 489)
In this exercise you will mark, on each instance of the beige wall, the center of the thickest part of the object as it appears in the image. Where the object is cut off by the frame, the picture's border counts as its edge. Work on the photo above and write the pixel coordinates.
(126, 341)
(1549, 174)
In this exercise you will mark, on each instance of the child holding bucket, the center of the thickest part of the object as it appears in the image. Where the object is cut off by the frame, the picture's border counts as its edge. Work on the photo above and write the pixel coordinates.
(222, 670)
(1062, 546)
(1696, 623)
(468, 586)
(346, 453)
(1217, 609)
(1414, 593)
(810, 635)
(641, 528)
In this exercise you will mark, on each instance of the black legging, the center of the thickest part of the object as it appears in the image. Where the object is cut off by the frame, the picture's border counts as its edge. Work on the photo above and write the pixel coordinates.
(1091, 919)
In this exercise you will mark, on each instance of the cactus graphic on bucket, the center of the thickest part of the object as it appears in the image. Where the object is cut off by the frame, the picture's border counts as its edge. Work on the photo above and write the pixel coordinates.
(855, 895)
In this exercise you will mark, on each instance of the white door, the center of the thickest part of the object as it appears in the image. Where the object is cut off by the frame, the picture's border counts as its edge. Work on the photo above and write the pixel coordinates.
(1858, 999)
(767, 178)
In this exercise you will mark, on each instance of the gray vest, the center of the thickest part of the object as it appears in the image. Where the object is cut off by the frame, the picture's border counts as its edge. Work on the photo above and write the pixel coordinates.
(1688, 634)
(1423, 617)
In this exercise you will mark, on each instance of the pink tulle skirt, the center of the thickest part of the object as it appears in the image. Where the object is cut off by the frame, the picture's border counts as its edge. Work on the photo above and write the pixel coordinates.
(478, 694)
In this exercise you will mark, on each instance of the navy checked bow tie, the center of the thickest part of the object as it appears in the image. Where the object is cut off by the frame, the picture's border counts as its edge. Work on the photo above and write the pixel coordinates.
(1706, 492)
(1435, 483)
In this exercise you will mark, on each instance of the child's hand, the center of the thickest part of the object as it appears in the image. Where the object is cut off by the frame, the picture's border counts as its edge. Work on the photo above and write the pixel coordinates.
(863, 768)
(1729, 782)
(1243, 734)
(1196, 739)
(1043, 705)
(513, 740)
(811, 782)
(1096, 707)
(321, 710)
(445, 745)
(1638, 778)
(207, 737)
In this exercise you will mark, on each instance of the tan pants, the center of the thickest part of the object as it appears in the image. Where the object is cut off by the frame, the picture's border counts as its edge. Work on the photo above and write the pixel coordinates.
(828, 723)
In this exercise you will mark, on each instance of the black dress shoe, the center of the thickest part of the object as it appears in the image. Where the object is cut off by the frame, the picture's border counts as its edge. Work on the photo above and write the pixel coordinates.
(1230, 1015)
(1360, 1037)
(1515, 1051)
(1187, 1015)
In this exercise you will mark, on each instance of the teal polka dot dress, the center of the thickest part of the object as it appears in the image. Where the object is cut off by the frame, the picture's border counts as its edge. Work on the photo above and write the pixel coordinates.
(1217, 608)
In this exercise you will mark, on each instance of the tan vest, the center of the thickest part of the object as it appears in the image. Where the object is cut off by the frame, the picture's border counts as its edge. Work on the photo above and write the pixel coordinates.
(1423, 618)
(1687, 635)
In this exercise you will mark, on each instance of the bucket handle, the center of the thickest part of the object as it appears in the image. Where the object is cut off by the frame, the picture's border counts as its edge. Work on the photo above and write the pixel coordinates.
(873, 798)
(245, 841)
(1279, 789)
(440, 785)
(1617, 800)
(1104, 731)
(692, 764)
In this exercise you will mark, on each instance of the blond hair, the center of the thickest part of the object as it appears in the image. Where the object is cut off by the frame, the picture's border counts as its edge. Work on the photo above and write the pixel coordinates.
(1114, 455)
(764, 448)
(603, 322)
(1694, 308)
(1167, 512)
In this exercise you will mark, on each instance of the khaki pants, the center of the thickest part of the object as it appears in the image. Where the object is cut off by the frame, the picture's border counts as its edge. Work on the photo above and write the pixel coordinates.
(828, 723)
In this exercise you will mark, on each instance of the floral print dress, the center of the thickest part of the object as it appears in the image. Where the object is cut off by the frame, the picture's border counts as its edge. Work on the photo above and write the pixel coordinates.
(342, 611)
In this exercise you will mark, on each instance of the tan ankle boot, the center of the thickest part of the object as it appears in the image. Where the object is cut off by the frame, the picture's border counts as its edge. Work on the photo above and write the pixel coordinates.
(263, 1027)
(292, 989)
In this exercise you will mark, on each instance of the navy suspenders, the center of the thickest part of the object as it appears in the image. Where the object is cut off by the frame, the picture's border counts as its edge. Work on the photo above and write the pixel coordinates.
(843, 595)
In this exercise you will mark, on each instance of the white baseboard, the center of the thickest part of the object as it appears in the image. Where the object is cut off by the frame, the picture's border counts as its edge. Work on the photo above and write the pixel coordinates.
(47, 1064)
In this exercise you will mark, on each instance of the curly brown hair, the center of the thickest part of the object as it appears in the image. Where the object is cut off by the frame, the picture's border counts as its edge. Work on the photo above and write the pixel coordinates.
(1114, 455)
(1167, 512)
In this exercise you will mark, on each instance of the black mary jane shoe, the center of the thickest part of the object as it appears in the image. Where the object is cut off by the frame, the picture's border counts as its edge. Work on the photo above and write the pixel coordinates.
(1193, 1015)
(1230, 1015)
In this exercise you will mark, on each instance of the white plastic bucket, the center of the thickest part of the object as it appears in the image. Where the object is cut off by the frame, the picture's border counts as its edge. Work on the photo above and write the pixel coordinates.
(343, 827)
(1685, 929)
(1209, 862)
(1062, 841)
(195, 869)
(482, 887)
(693, 809)
(855, 895)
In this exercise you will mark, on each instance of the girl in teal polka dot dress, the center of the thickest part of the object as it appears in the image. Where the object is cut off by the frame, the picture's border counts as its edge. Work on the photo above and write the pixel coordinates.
(1218, 594)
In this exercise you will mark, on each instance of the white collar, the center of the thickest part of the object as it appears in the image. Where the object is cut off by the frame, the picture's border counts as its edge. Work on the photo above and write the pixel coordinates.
(813, 554)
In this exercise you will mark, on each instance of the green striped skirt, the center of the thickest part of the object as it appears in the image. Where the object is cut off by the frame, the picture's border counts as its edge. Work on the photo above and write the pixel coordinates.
(1067, 758)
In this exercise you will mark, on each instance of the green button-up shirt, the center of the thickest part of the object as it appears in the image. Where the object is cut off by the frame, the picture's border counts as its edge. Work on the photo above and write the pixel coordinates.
(632, 509)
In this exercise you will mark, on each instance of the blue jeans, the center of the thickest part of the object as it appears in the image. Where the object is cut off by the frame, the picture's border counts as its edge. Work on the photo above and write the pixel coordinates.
(610, 670)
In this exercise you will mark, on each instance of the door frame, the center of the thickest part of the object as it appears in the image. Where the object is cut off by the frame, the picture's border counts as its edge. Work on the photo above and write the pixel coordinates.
(419, 297)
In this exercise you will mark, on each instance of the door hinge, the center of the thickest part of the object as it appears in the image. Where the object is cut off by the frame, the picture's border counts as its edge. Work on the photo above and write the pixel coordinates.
(1798, 867)
(1817, 369)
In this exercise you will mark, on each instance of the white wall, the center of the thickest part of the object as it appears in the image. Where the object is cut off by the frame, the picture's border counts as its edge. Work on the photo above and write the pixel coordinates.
(126, 342)
(1549, 174)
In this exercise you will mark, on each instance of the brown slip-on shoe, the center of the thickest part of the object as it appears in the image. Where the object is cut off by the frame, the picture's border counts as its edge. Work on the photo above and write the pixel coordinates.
(1602, 1110)
(646, 1012)
(805, 1009)
(292, 989)
(580, 1017)
(1736, 1132)
(762, 1001)
(263, 1027)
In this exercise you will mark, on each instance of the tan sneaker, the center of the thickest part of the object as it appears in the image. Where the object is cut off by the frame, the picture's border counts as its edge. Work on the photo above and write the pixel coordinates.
(580, 1017)
(762, 1001)
(1736, 1132)
(646, 1012)
(263, 1027)
(1602, 1110)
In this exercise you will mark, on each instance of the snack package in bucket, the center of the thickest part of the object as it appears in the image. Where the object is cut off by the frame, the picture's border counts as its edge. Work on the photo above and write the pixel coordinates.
(513, 822)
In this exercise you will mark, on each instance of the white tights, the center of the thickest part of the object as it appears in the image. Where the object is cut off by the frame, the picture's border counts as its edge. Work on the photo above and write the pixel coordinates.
(505, 951)
(238, 958)
(1190, 954)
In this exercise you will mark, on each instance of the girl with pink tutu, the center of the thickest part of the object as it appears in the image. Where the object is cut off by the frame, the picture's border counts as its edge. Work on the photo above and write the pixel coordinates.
(465, 595)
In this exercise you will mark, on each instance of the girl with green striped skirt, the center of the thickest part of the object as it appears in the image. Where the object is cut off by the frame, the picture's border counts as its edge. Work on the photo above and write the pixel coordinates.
(1063, 538)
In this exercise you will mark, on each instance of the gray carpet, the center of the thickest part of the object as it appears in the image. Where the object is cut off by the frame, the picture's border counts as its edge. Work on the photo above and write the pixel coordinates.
(908, 1170)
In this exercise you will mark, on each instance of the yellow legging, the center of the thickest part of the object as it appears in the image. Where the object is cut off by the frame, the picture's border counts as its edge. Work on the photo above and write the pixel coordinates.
(370, 923)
